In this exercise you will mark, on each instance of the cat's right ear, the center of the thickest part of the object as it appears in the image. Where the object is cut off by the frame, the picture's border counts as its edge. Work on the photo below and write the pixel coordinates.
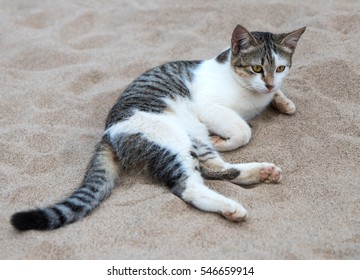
(241, 39)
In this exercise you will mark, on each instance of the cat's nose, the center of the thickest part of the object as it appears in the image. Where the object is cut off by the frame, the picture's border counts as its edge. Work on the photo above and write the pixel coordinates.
(269, 87)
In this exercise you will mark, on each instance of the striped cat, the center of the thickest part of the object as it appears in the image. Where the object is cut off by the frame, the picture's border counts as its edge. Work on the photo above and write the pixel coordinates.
(173, 120)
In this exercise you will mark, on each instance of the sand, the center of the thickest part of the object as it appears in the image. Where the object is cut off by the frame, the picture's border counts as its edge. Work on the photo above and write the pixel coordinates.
(63, 64)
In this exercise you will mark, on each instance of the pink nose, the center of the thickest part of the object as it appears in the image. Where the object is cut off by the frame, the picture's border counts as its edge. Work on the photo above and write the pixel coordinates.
(269, 87)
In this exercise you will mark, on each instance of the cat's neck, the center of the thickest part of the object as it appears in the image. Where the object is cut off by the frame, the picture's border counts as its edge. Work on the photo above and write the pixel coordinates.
(215, 82)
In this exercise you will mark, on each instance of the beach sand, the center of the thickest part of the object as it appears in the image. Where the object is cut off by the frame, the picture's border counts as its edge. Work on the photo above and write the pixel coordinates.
(63, 64)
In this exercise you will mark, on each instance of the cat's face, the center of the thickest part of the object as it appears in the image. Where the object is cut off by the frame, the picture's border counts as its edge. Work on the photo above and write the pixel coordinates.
(261, 60)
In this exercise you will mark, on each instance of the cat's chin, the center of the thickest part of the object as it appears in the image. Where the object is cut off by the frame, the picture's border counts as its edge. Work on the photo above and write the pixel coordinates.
(265, 91)
(272, 91)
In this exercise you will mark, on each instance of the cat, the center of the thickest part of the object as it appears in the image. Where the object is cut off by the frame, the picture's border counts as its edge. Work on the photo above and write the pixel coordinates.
(173, 121)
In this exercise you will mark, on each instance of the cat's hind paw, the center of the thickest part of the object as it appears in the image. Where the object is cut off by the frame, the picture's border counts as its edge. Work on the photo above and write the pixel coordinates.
(269, 173)
(237, 214)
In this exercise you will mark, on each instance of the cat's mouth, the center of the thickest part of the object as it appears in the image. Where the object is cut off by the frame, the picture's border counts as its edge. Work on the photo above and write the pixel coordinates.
(270, 87)
(264, 89)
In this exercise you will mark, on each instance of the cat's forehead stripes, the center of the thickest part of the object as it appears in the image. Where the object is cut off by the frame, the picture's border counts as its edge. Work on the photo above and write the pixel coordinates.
(280, 60)
(269, 53)
(272, 55)
(266, 40)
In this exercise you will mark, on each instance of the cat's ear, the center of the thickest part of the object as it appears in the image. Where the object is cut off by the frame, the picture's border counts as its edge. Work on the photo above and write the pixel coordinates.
(290, 40)
(241, 39)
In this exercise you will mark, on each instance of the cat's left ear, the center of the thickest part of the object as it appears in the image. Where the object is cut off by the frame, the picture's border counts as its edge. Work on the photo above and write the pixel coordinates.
(290, 39)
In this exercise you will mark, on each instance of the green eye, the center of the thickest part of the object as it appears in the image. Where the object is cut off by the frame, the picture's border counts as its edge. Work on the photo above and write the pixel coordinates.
(280, 69)
(257, 68)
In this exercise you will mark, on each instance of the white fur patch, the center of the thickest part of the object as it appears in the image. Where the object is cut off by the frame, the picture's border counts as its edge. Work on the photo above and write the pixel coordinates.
(279, 77)
(173, 129)
(216, 83)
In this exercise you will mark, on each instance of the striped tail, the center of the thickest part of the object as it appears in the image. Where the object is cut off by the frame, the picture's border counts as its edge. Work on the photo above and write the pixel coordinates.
(101, 177)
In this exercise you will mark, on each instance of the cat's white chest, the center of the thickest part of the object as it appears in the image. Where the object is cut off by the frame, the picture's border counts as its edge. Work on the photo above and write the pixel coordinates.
(214, 83)
(249, 105)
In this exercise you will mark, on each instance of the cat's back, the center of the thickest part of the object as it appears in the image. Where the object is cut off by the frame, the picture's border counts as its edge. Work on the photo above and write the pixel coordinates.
(149, 92)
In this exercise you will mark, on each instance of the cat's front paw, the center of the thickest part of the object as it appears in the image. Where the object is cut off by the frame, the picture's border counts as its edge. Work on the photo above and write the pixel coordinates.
(217, 140)
(283, 104)
(240, 139)
(269, 173)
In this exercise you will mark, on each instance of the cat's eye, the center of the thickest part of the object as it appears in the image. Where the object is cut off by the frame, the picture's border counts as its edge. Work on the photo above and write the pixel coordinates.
(280, 69)
(257, 68)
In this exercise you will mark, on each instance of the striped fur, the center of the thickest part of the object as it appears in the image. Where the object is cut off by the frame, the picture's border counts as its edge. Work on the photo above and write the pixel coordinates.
(149, 91)
(173, 120)
(101, 177)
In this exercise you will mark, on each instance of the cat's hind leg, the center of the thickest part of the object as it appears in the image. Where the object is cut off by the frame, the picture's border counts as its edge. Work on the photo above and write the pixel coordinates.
(214, 167)
(183, 177)
(195, 192)
(190, 185)
(257, 172)
(168, 152)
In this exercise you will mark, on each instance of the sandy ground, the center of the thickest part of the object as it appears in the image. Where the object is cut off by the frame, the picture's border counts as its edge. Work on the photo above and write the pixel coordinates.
(64, 63)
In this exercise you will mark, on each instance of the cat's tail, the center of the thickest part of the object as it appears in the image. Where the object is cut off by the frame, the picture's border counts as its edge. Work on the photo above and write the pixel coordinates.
(101, 177)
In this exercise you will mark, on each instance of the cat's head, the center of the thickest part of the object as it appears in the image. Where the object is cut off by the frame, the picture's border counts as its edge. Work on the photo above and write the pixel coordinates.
(261, 60)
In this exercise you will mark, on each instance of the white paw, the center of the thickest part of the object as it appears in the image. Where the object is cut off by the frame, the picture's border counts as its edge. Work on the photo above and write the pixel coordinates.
(235, 212)
(269, 173)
